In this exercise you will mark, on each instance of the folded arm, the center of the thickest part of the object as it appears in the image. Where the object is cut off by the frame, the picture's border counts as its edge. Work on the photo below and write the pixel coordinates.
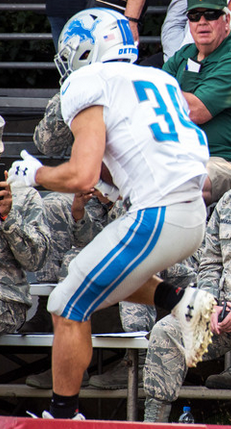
(199, 114)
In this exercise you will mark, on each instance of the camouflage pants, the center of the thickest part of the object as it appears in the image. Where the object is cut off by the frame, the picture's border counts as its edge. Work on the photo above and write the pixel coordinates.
(12, 316)
(165, 369)
(137, 317)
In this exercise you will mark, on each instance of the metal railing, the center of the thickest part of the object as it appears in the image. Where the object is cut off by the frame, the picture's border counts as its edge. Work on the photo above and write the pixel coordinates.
(40, 8)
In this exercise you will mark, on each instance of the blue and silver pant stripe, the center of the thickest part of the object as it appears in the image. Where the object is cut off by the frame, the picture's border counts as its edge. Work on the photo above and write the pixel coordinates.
(128, 253)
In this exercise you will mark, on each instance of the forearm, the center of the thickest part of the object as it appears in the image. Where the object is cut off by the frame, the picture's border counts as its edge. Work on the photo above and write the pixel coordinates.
(225, 282)
(209, 276)
(84, 232)
(211, 262)
(199, 114)
(64, 178)
(133, 10)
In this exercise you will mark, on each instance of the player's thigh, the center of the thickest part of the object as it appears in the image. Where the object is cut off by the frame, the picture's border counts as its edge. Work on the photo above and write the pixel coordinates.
(181, 234)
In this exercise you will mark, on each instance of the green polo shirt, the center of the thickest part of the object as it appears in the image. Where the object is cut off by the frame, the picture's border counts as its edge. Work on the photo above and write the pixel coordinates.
(212, 85)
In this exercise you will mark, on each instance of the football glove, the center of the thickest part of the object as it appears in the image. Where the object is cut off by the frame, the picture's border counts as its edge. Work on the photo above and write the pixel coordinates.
(22, 173)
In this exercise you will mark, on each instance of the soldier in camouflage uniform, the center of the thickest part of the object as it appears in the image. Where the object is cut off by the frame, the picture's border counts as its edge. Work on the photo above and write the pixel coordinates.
(52, 135)
(24, 246)
(165, 368)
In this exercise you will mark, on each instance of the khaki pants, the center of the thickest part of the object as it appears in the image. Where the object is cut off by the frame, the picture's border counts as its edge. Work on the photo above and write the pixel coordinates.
(219, 172)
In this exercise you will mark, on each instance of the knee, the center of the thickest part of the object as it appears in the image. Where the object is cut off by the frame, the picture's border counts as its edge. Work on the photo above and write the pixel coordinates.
(62, 323)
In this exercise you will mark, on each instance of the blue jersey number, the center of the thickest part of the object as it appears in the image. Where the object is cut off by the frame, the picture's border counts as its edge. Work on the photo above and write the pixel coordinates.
(142, 88)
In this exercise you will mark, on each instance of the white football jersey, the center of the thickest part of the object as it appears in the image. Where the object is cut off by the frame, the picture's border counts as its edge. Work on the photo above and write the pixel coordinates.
(152, 147)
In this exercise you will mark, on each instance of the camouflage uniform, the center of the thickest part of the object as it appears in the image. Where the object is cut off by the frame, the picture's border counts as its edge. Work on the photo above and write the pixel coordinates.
(52, 135)
(165, 369)
(24, 246)
(66, 233)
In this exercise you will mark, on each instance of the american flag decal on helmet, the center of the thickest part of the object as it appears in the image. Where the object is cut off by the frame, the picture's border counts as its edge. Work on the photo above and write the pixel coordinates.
(109, 37)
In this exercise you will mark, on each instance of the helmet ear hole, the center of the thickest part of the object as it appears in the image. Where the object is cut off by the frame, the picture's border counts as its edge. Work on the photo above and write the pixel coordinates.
(84, 56)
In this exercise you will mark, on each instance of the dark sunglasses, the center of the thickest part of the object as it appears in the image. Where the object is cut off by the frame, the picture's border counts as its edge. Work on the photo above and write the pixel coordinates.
(209, 14)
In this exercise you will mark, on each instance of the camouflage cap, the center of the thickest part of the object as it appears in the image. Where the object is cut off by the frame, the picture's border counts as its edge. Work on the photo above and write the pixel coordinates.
(2, 124)
(207, 4)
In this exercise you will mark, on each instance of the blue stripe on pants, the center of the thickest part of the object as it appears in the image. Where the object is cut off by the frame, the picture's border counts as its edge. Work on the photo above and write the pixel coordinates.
(129, 252)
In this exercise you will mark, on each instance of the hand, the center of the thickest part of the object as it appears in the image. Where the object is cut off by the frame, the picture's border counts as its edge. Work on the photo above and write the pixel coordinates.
(224, 326)
(79, 202)
(135, 31)
(22, 173)
(6, 202)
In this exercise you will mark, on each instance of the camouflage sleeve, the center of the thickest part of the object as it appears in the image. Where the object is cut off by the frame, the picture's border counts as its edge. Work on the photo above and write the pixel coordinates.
(66, 233)
(215, 266)
(71, 254)
(94, 220)
(58, 212)
(52, 135)
(26, 229)
(116, 211)
(97, 215)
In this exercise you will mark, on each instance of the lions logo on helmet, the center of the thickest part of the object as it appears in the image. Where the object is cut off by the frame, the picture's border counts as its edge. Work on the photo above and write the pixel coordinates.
(77, 27)
(94, 35)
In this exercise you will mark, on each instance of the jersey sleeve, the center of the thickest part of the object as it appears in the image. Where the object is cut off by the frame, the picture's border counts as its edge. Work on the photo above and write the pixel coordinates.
(80, 92)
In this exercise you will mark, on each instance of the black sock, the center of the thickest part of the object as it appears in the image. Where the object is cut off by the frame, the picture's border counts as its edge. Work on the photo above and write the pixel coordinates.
(167, 296)
(64, 407)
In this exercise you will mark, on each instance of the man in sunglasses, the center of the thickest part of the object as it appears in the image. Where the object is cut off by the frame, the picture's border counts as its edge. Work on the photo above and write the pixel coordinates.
(202, 70)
